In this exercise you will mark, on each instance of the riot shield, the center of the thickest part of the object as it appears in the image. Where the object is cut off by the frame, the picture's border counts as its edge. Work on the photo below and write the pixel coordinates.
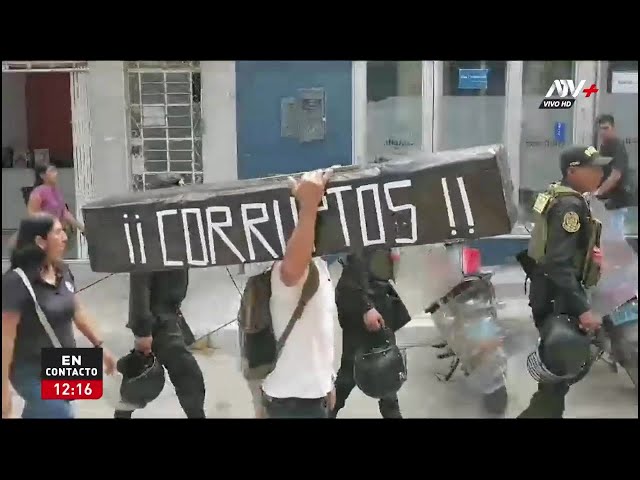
(619, 272)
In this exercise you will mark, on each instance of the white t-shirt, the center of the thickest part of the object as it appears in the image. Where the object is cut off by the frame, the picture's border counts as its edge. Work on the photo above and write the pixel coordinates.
(305, 367)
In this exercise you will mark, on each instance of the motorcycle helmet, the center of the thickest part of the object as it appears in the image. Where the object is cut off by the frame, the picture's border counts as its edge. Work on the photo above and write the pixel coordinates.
(380, 371)
(143, 378)
(563, 352)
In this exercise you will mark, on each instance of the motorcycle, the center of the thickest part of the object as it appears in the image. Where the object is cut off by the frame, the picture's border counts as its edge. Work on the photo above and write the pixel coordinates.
(619, 344)
(462, 303)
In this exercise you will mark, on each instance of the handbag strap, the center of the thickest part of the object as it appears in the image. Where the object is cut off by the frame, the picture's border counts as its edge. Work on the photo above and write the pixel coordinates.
(41, 316)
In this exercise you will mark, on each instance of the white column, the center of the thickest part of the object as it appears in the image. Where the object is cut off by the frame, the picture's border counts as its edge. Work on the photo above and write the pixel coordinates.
(438, 70)
(219, 136)
(109, 122)
(359, 113)
(82, 158)
(427, 105)
(513, 122)
(584, 110)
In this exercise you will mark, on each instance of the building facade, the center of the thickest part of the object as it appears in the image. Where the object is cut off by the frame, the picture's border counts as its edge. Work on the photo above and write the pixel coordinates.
(215, 120)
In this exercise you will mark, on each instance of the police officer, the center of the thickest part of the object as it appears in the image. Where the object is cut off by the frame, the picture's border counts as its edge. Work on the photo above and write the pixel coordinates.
(369, 312)
(157, 323)
(561, 262)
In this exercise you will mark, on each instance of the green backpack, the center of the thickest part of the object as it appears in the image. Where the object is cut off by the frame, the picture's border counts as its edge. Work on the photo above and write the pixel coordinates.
(259, 349)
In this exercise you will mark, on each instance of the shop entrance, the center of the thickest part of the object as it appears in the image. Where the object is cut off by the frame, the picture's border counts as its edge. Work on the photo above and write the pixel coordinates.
(45, 118)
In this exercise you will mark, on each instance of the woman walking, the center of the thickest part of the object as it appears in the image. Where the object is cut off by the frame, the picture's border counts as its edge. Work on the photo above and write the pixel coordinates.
(37, 266)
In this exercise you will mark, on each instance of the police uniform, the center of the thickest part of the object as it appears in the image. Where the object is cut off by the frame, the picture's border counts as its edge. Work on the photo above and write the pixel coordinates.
(154, 310)
(559, 264)
(363, 285)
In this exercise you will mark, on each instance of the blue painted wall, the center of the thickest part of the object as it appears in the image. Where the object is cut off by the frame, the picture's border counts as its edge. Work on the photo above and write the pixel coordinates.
(260, 86)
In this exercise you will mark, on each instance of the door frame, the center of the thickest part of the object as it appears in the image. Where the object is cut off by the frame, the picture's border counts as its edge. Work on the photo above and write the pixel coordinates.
(81, 130)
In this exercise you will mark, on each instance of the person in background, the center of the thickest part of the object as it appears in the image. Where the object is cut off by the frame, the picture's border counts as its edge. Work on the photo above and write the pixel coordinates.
(46, 196)
(615, 190)
(39, 251)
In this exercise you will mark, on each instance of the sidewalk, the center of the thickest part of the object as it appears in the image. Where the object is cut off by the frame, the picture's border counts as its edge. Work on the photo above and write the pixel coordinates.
(213, 300)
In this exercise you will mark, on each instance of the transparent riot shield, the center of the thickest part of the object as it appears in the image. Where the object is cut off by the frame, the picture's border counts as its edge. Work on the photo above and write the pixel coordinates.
(619, 273)
(615, 296)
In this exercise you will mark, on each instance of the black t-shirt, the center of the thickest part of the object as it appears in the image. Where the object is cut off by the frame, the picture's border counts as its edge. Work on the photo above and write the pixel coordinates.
(620, 196)
(56, 301)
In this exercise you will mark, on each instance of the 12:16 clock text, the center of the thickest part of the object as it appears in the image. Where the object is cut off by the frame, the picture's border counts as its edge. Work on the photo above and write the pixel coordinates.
(71, 389)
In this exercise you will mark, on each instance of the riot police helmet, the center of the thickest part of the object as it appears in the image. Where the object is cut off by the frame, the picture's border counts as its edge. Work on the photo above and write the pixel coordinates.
(563, 352)
(381, 370)
(143, 378)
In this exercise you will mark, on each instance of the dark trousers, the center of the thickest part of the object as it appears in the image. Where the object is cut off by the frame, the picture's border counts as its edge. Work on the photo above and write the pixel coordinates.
(296, 407)
(183, 369)
(354, 340)
(549, 400)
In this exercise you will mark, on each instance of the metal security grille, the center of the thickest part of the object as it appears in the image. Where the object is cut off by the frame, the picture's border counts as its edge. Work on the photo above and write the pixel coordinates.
(164, 120)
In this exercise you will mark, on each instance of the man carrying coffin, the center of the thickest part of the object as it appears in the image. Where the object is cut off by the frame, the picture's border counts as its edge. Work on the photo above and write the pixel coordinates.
(159, 328)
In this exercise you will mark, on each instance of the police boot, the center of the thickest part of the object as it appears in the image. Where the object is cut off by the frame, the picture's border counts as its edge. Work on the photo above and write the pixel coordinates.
(547, 402)
(389, 407)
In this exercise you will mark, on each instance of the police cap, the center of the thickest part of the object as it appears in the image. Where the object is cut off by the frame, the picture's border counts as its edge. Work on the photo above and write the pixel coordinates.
(582, 156)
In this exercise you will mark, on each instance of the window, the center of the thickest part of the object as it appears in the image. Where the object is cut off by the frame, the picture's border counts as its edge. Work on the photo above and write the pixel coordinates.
(394, 108)
(470, 108)
(164, 120)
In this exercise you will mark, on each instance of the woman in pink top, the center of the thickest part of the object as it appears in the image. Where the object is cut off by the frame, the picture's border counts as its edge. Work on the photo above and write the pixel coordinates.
(47, 197)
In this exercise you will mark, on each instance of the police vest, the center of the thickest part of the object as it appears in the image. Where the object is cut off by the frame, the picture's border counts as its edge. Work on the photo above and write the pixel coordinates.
(583, 259)
(380, 265)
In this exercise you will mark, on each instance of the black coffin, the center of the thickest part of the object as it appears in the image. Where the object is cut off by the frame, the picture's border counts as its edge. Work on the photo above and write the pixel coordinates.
(456, 194)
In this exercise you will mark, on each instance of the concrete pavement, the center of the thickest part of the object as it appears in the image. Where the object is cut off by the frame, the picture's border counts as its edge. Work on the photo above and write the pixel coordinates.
(213, 300)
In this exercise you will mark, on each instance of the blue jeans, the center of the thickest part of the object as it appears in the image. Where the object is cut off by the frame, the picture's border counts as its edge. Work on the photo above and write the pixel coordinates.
(26, 382)
(617, 221)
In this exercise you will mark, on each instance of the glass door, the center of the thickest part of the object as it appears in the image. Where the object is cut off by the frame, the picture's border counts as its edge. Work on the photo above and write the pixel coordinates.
(618, 96)
(544, 132)
(469, 102)
(394, 108)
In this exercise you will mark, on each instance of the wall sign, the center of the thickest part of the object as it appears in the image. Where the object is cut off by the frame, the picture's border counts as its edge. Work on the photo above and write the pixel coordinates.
(473, 78)
(624, 82)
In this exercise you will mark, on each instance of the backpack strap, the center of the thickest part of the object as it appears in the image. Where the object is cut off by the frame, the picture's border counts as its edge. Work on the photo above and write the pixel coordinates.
(309, 289)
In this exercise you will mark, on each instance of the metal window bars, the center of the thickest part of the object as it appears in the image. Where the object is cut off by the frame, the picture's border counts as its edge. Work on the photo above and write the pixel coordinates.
(164, 120)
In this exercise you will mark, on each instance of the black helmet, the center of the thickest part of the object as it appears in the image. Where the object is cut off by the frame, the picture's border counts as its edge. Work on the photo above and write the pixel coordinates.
(381, 370)
(563, 352)
(142, 378)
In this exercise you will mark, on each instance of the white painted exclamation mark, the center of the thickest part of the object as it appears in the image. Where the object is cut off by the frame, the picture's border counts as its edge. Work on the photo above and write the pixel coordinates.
(467, 206)
(447, 201)
(143, 253)
(127, 232)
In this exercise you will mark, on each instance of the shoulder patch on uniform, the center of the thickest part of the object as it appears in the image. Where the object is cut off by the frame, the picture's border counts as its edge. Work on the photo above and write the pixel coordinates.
(571, 222)
(542, 200)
